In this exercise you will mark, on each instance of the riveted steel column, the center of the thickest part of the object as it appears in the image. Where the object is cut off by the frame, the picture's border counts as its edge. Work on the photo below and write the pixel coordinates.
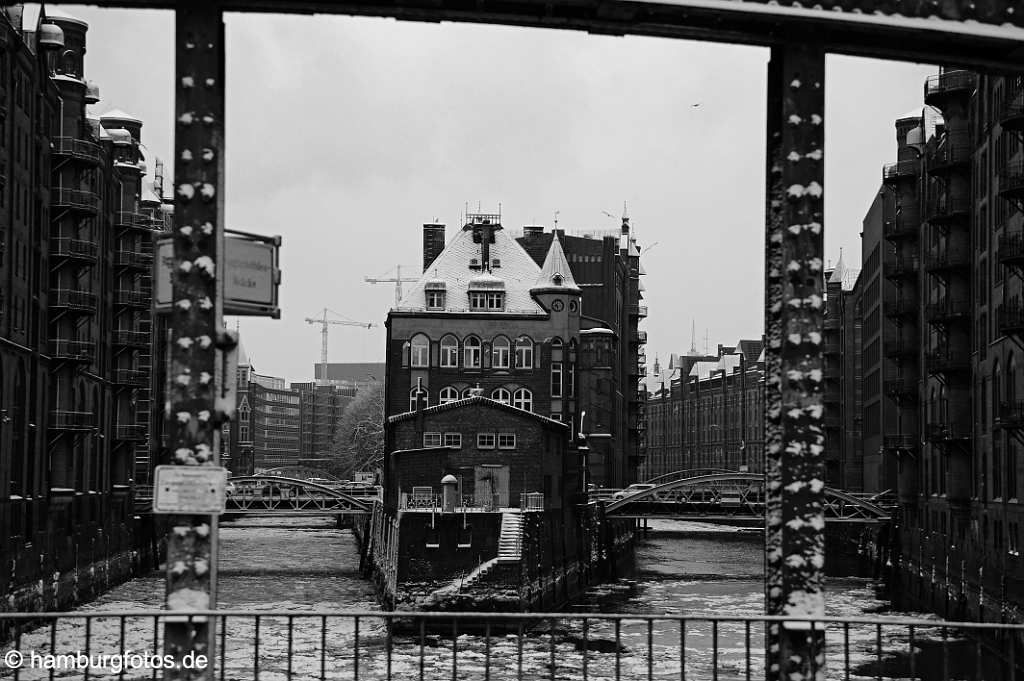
(195, 317)
(794, 439)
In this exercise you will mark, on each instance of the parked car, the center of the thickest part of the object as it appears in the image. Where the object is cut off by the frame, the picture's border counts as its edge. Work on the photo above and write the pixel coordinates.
(635, 488)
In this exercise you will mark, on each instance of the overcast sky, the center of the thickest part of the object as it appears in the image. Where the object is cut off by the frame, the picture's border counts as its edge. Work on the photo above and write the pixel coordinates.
(346, 134)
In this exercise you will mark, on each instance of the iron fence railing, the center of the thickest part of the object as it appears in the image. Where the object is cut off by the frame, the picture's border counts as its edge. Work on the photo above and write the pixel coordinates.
(79, 199)
(434, 645)
(1011, 179)
(77, 147)
(900, 169)
(949, 82)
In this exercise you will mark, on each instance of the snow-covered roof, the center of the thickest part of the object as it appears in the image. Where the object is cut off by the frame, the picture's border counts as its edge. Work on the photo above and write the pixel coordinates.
(148, 194)
(481, 400)
(837, 274)
(850, 278)
(705, 369)
(518, 272)
(119, 115)
(556, 273)
(59, 15)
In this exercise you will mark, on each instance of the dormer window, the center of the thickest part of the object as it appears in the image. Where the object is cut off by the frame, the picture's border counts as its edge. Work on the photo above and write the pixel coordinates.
(435, 294)
(487, 301)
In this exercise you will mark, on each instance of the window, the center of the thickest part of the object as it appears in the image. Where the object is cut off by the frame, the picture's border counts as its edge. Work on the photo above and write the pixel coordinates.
(523, 399)
(453, 440)
(501, 395)
(506, 440)
(419, 351)
(556, 417)
(473, 351)
(556, 379)
(449, 351)
(431, 439)
(495, 301)
(448, 394)
(572, 380)
(524, 353)
(417, 394)
(500, 352)
(556, 343)
(435, 300)
(477, 301)
(485, 440)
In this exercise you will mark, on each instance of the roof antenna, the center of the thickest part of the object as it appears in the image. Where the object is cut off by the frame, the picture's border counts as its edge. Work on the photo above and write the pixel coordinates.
(556, 219)
(693, 337)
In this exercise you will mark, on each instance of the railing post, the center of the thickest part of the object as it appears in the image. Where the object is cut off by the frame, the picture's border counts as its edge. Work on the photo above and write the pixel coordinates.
(192, 416)
(794, 408)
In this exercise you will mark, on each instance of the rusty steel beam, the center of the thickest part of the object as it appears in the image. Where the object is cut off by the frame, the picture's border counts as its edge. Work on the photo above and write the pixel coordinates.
(794, 408)
(192, 415)
(926, 31)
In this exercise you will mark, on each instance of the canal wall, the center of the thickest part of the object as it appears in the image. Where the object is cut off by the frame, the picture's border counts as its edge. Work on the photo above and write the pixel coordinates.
(78, 554)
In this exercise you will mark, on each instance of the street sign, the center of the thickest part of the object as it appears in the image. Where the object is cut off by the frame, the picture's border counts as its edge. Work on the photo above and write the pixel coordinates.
(189, 489)
(251, 280)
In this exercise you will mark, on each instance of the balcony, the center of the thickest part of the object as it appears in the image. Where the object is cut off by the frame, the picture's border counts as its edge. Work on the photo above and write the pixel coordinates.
(948, 311)
(133, 259)
(944, 210)
(901, 227)
(901, 442)
(131, 220)
(902, 268)
(133, 299)
(1011, 249)
(900, 349)
(946, 259)
(639, 337)
(130, 432)
(1011, 116)
(901, 389)
(61, 419)
(1011, 181)
(131, 377)
(900, 170)
(71, 299)
(1010, 319)
(947, 362)
(939, 433)
(79, 200)
(73, 350)
(638, 310)
(1011, 415)
(942, 86)
(131, 339)
(79, 250)
(902, 309)
(950, 153)
(77, 148)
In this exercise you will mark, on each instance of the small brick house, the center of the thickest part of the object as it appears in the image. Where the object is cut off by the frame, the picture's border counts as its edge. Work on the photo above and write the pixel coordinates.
(496, 451)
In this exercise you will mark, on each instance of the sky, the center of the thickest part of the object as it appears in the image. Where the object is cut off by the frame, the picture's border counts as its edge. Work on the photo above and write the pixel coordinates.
(345, 135)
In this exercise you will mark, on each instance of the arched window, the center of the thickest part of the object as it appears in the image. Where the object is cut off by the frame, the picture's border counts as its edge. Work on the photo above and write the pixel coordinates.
(467, 392)
(473, 350)
(418, 396)
(500, 349)
(419, 355)
(448, 394)
(524, 353)
(501, 395)
(523, 399)
(449, 351)
(556, 343)
(1011, 382)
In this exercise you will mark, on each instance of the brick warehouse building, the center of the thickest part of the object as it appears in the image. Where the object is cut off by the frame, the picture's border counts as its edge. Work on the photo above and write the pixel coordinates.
(707, 412)
(930, 340)
(484, 314)
(74, 373)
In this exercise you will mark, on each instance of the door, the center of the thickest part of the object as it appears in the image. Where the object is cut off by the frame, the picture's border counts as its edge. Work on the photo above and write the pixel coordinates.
(491, 480)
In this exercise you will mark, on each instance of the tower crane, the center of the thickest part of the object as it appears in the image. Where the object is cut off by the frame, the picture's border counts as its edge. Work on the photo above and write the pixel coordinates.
(323, 321)
(397, 279)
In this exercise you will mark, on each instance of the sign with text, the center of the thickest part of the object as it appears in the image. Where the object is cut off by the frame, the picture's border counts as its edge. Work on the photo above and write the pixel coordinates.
(189, 489)
(250, 271)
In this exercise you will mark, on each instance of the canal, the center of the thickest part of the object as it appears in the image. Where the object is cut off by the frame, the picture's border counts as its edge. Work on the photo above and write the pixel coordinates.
(308, 564)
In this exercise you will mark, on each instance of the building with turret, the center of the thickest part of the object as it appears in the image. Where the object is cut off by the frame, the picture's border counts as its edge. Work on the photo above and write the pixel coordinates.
(76, 226)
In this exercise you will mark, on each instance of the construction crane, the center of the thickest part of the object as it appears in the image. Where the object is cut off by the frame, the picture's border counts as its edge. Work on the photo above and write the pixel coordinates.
(323, 321)
(397, 279)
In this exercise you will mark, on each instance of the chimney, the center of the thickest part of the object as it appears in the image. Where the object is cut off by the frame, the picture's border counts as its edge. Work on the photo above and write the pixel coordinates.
(433, 243)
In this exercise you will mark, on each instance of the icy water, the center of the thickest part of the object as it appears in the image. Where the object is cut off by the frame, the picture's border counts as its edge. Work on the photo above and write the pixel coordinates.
(303, 564)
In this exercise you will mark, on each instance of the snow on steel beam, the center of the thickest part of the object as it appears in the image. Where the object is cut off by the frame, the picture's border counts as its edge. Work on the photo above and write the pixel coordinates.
(794, 408)
(192, 419)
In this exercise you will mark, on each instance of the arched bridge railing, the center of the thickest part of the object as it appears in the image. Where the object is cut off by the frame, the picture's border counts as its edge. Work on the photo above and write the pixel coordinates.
(278, 495)
(732, 494)
(689, 473)
(300, 473)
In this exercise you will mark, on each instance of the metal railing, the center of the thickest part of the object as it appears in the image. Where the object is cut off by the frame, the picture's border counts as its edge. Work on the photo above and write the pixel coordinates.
(1011, 247)
(949, 152)
(947, 309)
(66, 348)
(900, 169)
(901, 267)
(949, 82)
(952, 430)
(63, 419)
(131, 298)
(902, 441)
(133, 258)
(71, 298)
(74, 198)
(945, 208)
(131, 338)
(132, 377)
(131, 432)
(531, 501)
(1011, 179)
(130, 219)
(1012, 113)
(470, 645)
(67, 247)
(947, 257)
(76, 147)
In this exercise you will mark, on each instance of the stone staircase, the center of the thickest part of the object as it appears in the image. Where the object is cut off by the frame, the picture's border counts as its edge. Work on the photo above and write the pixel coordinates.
(510, 542)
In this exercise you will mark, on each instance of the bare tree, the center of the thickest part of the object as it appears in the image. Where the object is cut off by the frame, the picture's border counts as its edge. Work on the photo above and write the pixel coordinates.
(359, 443)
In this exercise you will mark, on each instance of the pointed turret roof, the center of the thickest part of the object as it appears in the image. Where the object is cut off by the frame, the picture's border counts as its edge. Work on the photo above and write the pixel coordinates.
(839, 272)
(555, 273)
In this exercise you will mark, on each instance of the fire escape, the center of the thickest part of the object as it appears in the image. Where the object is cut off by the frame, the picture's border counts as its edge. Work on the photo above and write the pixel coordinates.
(948, 262)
